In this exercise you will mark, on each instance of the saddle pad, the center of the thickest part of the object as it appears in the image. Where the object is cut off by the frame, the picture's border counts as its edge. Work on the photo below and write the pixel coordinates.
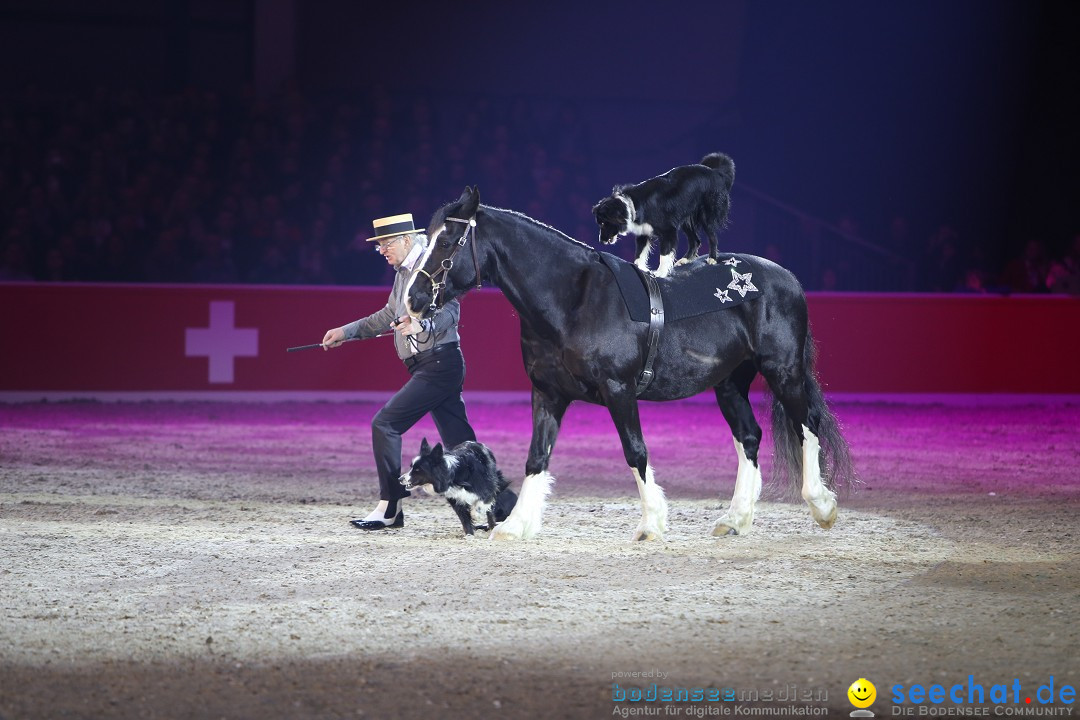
(695, 289)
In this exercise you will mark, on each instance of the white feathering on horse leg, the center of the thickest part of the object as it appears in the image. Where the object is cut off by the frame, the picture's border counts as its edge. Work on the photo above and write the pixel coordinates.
(822, 500)
(653, 507)
(739, 519)
(525, 519)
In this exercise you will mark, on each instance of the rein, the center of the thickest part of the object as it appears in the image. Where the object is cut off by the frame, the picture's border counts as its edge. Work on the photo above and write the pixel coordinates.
(448, 262)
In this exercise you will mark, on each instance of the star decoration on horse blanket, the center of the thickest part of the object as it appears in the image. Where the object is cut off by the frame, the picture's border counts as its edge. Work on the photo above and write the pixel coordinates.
(732, 261)
(741, 283)
(723, 295)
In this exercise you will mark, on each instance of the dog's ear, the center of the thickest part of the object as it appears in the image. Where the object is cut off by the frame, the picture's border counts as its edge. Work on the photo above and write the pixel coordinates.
(606, 208)
(437, 451)
(424, 447)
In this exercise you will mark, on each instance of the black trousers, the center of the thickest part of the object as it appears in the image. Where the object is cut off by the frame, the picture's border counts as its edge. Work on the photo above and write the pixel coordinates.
(435, 387)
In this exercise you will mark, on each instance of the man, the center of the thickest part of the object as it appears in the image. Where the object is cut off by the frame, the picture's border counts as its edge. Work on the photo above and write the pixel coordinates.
(429, 348)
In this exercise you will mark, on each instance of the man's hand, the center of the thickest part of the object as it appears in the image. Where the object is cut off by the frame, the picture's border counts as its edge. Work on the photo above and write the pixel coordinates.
(333, 338)
(407, 326)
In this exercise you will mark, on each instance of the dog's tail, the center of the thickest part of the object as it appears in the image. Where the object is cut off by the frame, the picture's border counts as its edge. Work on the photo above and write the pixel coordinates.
(722, 164)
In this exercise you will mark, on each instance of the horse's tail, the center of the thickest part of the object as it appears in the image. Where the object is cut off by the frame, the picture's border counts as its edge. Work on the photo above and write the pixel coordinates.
(837, 471)
(722, 164)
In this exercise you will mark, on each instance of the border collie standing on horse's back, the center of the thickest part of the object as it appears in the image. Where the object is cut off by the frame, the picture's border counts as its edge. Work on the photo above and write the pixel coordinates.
(467, 477)
(688, 198)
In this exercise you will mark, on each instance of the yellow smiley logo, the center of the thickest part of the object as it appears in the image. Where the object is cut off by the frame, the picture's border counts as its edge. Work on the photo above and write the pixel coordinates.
(862, 693)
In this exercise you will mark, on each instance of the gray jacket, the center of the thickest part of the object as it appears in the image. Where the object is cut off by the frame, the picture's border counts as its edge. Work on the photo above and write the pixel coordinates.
(440, 329)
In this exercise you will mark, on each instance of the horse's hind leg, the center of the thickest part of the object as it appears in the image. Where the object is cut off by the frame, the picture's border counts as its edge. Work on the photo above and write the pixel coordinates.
(525, 519)
(733, 397)
(795, 431)
(624, 413)
(822, 500)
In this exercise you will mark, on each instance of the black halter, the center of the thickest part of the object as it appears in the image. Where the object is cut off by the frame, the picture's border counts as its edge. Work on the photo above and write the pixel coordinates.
(448, 262)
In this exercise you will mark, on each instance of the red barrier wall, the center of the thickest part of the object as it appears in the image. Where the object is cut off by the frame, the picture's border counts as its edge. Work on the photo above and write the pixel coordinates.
(154, 338)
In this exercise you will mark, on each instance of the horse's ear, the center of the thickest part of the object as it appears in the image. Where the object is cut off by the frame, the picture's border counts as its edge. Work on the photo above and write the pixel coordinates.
(470, 201)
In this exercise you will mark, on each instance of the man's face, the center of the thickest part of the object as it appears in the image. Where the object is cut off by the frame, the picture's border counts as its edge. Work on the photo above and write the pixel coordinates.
(395, 249)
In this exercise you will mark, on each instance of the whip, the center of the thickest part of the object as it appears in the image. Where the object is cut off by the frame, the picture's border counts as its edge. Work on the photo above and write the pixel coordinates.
(319, 345)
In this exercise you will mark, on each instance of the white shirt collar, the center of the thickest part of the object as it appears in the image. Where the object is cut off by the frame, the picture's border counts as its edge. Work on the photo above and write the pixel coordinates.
(414, 254)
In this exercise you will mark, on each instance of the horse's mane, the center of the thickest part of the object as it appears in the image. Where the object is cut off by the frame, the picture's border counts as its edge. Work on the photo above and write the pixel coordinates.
(441, 214)
(543, 226)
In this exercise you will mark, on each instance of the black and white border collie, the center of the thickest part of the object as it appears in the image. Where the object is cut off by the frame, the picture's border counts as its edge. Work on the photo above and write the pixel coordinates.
(690, 198)
(467, 477)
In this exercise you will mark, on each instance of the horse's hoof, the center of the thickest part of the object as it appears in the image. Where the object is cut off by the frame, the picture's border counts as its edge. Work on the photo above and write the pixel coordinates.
(824, 519)
(829, 521)
(501, 532)
(642, 535)
(726, 526)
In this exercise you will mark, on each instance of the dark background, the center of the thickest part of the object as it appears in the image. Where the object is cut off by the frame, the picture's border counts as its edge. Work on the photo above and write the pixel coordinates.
(842, 117)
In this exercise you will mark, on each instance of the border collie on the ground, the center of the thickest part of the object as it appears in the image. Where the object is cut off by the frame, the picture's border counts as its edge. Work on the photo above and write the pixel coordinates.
(467, 477)
(690, 198)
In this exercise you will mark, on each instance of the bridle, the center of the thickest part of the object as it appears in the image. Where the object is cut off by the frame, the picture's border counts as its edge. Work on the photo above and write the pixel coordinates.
(448, 262)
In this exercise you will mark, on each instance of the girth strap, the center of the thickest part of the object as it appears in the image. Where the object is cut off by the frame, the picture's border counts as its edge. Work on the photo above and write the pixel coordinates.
(656, 325)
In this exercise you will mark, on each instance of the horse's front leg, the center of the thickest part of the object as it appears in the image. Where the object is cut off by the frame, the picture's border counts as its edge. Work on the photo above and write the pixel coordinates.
(525, 519)
(624, 413)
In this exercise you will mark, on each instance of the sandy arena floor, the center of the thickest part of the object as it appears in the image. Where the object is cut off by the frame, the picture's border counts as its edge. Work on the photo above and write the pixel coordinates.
(191, 560)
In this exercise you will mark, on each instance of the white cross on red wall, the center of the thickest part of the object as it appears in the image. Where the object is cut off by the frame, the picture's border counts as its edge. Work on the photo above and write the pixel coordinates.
(222, 342)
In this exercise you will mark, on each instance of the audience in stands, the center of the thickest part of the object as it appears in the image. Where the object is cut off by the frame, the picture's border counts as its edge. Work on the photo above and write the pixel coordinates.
(1064, 273)
(199, 187)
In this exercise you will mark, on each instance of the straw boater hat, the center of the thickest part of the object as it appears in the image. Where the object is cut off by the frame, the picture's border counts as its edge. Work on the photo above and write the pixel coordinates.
(394, 225)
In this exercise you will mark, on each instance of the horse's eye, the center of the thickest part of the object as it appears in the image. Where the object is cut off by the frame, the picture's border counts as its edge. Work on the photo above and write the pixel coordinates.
(444, 244)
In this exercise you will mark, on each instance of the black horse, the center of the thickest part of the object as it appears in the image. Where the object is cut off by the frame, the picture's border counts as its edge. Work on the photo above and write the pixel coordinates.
(579, 343)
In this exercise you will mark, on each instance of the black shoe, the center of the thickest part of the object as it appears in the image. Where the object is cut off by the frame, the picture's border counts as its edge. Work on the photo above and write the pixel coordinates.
(397, 522)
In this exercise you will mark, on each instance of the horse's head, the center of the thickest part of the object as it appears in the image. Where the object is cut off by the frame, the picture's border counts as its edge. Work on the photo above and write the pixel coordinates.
(448, 267)
(612, 215)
